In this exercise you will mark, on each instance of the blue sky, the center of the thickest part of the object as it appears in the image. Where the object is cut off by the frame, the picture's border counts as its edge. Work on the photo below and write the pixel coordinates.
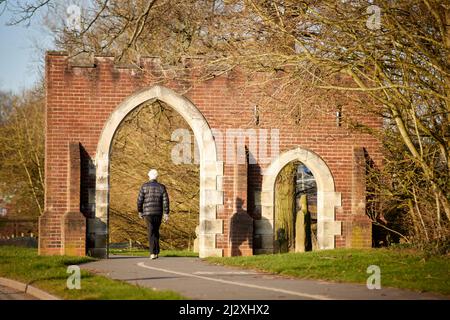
(19, 56)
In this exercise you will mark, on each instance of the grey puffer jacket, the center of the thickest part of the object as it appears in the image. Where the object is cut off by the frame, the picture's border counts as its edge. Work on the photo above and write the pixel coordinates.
(153, 199)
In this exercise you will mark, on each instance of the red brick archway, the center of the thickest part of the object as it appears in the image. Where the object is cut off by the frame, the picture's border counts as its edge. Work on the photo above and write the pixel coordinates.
(81, 99)
(211, 194)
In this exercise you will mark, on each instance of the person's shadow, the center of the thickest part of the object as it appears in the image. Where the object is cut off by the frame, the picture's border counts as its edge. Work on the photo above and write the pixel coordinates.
(241, 229)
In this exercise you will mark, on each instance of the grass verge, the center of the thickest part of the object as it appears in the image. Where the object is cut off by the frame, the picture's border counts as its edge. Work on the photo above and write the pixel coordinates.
(49, 273)
(400, 268)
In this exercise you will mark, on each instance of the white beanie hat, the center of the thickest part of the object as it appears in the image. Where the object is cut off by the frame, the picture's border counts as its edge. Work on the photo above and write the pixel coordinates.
(153, 174)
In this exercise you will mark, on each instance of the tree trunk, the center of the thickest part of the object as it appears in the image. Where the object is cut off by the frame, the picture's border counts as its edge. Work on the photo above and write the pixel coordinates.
(285, 207)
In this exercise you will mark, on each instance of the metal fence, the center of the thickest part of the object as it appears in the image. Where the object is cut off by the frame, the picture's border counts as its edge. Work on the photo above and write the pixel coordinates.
(11, 228)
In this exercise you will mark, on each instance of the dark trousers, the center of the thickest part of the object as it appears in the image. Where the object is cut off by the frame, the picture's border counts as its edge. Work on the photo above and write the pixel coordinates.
(153, 224)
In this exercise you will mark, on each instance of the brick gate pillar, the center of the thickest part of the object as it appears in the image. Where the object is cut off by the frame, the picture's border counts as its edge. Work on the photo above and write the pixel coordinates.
(73, 223)
(360, 225)
(49, 242)
(241, 223)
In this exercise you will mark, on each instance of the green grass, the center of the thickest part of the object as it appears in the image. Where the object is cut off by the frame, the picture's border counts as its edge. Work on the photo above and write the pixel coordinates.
(145, 253)
(49, 273)
(400, 268)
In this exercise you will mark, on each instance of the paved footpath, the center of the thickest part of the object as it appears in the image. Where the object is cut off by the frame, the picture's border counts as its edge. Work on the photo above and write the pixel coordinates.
(7, 293)
(197, 279)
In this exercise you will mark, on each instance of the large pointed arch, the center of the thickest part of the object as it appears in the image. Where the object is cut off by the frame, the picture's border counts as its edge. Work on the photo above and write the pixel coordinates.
(327, 199)
(211, 170)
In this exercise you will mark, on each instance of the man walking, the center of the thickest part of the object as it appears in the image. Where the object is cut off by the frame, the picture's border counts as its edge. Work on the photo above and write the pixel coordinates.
(153, 206)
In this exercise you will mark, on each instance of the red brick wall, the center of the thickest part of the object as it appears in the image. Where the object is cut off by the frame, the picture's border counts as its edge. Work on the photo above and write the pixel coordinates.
(239, 226)
(73, 224)
(81, 98)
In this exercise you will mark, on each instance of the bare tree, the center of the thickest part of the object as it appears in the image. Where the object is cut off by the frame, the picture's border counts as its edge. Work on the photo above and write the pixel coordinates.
(22, 151)
(392, 54)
